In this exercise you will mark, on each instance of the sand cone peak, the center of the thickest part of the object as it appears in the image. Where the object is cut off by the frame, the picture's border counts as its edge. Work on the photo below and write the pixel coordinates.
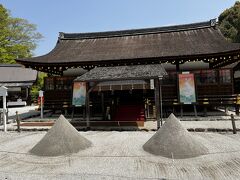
(172, 140)
(173, 124)
(61, 139)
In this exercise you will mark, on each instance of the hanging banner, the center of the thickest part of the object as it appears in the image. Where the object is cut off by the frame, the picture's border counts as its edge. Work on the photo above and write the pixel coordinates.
(151, 83)
(79, 93)
(187, 91)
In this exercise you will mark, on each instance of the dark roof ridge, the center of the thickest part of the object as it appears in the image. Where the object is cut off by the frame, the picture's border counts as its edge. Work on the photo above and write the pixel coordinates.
(131, 32)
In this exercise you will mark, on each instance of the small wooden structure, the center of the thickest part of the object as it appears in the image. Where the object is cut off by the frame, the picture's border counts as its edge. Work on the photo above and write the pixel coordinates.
(18, 80)
(135, 72)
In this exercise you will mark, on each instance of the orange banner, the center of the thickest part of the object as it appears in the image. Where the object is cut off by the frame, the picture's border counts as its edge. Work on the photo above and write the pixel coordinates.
(187, 91)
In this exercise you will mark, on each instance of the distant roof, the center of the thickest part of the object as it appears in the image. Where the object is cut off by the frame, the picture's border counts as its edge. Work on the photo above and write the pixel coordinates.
(22, 84)
(116, 73)
(16, 74)
(160, 43)
(10, 65)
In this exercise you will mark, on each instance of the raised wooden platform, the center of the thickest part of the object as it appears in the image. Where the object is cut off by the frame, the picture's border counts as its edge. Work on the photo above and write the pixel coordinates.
(92, 123)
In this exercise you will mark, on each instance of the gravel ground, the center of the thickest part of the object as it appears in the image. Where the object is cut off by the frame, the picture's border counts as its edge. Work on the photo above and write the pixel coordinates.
(118, 155)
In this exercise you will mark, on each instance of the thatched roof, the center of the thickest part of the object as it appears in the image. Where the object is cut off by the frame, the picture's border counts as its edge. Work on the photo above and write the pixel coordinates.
(123, 73)
(198, 41)
(16, 75)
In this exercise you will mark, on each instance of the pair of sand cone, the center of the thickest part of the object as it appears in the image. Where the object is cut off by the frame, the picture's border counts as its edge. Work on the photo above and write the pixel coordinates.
(172, 140)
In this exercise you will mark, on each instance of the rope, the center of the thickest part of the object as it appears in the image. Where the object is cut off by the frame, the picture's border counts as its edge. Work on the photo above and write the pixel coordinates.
(111, 156)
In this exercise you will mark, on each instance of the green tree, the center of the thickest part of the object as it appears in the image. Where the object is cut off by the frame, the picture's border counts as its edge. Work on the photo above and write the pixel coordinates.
(37, 86)
(18, 37)
(229, 23)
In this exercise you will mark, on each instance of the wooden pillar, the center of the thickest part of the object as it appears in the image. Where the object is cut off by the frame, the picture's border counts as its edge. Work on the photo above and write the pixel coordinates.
(177, 67)
(72, 113)
(161, 103)
(178, 71)
(4, 114)
(157, 104)
(205, 111)
(195, 109)
(237, 110)
(233, 124)
(181, 110)
(87, 107)
(27, 93)
(237, 105)
(102, 104)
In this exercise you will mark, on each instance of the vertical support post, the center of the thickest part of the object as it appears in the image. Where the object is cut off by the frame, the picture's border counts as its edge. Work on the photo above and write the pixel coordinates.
(7, 115)
(41, 107)
(237, 104)
(87, 108)
(4, 114)
(72, 113)
(205, 111)
(195, 110)
(181, 109)
(157, 102)
(237, 110)
(84, 112)
(41, 102)
(148, 108)
(26, 92)
(233, 124)
(177, 67)
(18, 121)
(102, 104)
(161, 104)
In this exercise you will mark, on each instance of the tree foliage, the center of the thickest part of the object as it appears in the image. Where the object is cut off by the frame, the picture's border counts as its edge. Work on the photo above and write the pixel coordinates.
(229, 23)
(38, 85)
(18, 37)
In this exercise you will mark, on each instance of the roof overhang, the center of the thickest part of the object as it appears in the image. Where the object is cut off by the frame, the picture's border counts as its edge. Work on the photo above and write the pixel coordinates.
(173, 44)
(16, 84)
(117, 73)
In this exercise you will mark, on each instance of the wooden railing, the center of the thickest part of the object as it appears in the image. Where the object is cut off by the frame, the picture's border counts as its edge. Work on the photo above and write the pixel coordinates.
(217, 100)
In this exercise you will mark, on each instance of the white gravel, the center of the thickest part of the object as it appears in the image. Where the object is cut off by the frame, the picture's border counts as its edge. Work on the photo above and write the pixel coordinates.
(118, 155)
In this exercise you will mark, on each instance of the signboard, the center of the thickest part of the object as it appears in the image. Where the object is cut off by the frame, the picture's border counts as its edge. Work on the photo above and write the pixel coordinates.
(187, 93)
(151, 83)
(40, 93)
(79, 94)
(238, 99)
(3, 91)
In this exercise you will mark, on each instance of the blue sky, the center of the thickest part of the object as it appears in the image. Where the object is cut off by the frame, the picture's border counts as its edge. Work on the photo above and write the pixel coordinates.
(53, 16)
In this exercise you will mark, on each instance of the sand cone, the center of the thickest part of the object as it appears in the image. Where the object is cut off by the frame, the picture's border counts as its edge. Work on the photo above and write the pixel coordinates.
(172, 140)
(61, 139)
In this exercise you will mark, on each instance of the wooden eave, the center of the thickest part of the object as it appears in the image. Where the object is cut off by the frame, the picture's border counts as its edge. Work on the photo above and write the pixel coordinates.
(173, 44)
